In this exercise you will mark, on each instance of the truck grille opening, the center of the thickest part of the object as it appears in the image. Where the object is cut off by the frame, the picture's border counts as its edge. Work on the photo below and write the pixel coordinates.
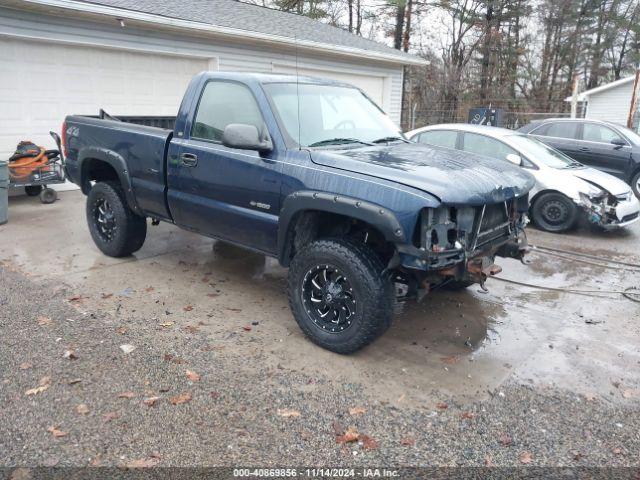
(494, 223)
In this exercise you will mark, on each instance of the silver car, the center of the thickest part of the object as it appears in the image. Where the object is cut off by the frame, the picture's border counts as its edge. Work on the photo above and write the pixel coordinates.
(564, 187)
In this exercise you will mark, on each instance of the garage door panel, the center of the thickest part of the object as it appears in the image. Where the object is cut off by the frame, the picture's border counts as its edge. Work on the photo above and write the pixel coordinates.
(41, 83)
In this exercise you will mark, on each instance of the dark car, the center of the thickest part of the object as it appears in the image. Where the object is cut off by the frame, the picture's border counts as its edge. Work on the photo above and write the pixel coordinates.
(603, 145)
(311, 172)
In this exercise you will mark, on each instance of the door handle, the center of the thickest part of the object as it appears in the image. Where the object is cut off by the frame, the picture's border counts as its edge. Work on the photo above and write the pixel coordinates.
(188, 160)
(584, 149)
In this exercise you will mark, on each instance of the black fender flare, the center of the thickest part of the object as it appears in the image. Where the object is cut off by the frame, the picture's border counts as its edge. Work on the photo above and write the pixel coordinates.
(119, 165)
(379, 217)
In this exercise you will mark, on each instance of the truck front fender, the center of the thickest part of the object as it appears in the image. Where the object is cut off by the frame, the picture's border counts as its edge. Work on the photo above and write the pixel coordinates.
(88, 154)
(311, 201)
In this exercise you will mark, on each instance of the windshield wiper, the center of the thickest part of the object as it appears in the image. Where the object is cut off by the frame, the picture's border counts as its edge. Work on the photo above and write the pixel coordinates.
(338, 141)
(390, 139)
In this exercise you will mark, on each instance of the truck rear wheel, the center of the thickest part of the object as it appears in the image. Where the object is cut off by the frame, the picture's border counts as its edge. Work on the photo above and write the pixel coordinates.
(116, 230)
(339, 296)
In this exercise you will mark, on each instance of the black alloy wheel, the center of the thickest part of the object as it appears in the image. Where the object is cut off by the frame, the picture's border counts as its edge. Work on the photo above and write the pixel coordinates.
(328, 298)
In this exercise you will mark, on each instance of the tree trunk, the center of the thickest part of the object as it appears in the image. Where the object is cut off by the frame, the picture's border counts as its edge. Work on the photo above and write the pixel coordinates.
(350, 7)
(486, 52)
(397, 37)
(407, 27)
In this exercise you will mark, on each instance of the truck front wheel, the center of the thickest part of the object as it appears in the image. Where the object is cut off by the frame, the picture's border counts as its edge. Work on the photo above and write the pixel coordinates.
(339, 295)
(115, 228)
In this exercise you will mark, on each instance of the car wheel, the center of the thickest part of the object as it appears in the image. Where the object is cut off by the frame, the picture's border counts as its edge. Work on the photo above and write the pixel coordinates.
(635, 184)
(554, 212)
(33, 190)
(116, 230)
(339, 296)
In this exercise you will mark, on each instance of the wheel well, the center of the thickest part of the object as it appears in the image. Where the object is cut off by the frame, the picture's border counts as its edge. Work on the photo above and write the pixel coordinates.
(94, 170)
(310, 225)
(533, 200)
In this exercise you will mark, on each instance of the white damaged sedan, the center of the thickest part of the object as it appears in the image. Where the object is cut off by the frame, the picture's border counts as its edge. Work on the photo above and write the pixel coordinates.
(564, 188)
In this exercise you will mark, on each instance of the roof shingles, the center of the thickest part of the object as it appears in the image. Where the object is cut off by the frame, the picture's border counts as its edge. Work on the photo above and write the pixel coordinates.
(254, 18)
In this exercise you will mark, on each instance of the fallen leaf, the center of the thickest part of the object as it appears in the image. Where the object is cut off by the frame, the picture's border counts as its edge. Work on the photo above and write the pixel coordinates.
(187, 308)
(96, 462)
(122, 330)
(107, 295)
(590, 397)
(75, 298)
(357, 410)
(505, 440)
(82, 409)
(170, 358)
(148, 462)
(43, 384)
(247, 328)
(488, 461)
(57, 433)
(126, 395)
(577, 456)
(205, 280)
(407, 441)
(151, 401)
(73, 381)
(617, 451)
(629, 393)
(192, 329)
(179, 399)
(107, 417)
(43, 321)
(350, 435)
(193, 376)
(213, 295)
(149, 289)
(25, 365)
(288, 412)
(69, 355)
(442, 406)
(234, 309)
(526, 457)
(468, 415)
(451, 360)
(127, 348)
(166, 324)
(368, 443)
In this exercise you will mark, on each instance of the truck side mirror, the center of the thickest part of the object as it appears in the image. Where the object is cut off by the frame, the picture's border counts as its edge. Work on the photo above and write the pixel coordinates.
(515, 159)
(246, 137)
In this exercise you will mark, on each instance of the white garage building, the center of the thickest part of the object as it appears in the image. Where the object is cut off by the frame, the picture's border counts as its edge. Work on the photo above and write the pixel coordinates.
(135, 57)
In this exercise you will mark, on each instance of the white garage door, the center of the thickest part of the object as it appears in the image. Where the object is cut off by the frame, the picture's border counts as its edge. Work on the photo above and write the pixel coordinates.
(370, 84)
(41, 83)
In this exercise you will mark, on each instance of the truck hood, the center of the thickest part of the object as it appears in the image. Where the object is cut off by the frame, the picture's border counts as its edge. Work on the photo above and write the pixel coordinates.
(603, 180)
(456, 178)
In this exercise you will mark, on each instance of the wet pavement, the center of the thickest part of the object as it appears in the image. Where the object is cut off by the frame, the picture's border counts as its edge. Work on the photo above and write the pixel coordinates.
(466, 347)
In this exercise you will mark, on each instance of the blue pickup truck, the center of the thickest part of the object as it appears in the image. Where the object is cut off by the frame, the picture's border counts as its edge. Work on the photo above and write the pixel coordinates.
(312, 172)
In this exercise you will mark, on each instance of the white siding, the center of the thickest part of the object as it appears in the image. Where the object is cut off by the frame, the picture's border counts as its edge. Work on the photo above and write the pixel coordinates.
(223, 55)
(611, 105)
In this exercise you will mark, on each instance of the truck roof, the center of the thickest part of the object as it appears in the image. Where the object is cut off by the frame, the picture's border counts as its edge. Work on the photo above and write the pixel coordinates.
(272, 78)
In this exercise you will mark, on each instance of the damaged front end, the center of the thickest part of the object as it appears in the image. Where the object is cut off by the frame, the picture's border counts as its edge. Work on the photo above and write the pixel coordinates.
(607, 210)
(460, 243)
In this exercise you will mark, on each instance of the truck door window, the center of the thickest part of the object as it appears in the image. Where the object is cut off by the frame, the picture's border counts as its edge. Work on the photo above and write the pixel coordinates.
(223, 103)
(558, 130)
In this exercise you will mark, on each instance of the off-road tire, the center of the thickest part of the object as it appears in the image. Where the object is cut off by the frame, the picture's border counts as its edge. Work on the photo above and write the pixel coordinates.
(131, 229)
(33, 190)
(373, 292)
(545, 205)
(635, 184)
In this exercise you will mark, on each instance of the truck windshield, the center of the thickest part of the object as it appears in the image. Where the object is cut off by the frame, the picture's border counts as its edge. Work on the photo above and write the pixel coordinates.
(320, 115)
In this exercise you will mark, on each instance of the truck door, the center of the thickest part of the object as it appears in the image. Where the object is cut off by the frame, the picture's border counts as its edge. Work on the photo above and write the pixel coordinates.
(224, 192)
(597, 150)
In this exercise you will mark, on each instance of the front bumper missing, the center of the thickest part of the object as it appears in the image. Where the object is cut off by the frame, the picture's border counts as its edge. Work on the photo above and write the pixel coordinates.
(611, 212)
